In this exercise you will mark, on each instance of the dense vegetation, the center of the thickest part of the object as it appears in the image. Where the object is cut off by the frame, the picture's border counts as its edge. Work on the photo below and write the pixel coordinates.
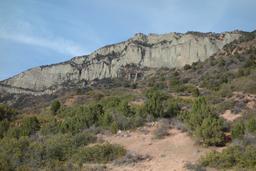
(63, 137)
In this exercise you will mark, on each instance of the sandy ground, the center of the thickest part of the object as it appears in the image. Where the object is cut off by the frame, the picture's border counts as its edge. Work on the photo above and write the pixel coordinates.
(168, 154)
(229, 116)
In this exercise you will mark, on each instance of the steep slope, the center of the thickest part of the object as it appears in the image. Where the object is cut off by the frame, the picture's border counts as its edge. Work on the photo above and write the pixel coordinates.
(152, 51)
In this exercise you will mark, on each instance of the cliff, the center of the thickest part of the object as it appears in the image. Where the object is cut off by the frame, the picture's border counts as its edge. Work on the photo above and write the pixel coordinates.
(141, 51)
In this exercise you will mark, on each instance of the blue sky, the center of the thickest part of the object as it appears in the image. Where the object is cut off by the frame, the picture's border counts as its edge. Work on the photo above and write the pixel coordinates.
(39, 32)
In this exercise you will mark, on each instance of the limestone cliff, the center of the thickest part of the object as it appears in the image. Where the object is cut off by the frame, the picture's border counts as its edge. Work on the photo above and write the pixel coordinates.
(152, 51)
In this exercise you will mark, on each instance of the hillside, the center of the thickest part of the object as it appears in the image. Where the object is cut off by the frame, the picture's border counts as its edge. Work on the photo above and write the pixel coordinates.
(141, 51)
(198, 115)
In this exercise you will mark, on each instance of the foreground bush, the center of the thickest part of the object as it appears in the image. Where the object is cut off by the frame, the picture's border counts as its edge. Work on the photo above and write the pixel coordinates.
(6, 113)
(155, 102)
(202, 123)
(239, 157)
(101, 153)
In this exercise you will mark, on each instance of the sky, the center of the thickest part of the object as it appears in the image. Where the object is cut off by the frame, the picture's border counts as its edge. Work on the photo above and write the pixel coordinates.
(41, 32)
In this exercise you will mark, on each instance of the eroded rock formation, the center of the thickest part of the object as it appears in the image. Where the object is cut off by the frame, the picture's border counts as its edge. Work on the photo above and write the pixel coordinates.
(152, 51)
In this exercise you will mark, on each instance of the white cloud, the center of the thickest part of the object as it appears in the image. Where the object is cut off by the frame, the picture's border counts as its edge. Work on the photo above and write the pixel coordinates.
(57, 44)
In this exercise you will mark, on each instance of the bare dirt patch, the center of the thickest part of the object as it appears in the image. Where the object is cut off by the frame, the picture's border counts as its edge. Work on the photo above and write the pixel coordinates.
(229, 116)
(170, 153)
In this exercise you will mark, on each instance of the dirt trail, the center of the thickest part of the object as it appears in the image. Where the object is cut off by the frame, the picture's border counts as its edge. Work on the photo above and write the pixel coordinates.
(168, 154)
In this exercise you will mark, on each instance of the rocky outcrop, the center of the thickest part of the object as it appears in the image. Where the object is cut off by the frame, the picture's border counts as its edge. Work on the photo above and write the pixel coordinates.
(152, 51)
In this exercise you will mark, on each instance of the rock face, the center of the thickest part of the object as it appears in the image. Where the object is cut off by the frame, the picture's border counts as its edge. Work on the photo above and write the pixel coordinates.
(152, 51)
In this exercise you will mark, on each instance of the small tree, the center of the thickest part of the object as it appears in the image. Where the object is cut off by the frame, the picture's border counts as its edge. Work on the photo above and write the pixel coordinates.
(55, 107)
(238, 130)
(96, 111)
(6, 112)
(155, 102)
(211, 131)
(251, 125)
(200, 111)
(29, 126)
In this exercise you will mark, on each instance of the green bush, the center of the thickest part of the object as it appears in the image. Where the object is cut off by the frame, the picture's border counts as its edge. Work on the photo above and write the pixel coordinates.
(4, 126)
(172, 109)
(7, 113)
(211, 131)
(55, 106)
(13, 151)
(96, 111)
(201, 121)
(187, 67)
(155, 102)
(126, 109)
(114, 127)
(238, 130)
(29, 125)
(200, 111)
(251, 125)
(83, 138)
(238, 157)
(101, 153)
(58, 147)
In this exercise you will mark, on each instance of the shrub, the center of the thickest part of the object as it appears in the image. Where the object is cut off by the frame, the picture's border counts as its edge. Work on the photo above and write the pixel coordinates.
(101, 153)
(200, 111)
(211, 131)
(51, 127)
(13, 151)
(155, 101)
(126, 109)
(239, 157)
(55, 106)
(238, 130)
(105, 120)
(96, 111)
(251, 125)
(171, 110)
(4, 126)
(114, 127)
(122, 122)
(29, 125)
(162, 129)
(187, 67)
(207, 127)
(83, 138)
(7, 113)
(58, 147)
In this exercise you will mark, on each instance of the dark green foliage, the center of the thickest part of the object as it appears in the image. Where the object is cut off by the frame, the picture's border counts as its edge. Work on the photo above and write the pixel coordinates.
(195, 92)
(82, 139)
(172, 109)
(187, 67)
(155, 102)
(114, 127)
(55, 106)
(211, 131)
(7, 113)
(4, 126)
(96, 111)
(251, 125)
(126, 109)
(51, 127)
(207, 127)
(12, 151)
(200, 111)
(241, 158)
(101, 153)
(27, 127)
(58, 147)
(105, 120)
(238, 130)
